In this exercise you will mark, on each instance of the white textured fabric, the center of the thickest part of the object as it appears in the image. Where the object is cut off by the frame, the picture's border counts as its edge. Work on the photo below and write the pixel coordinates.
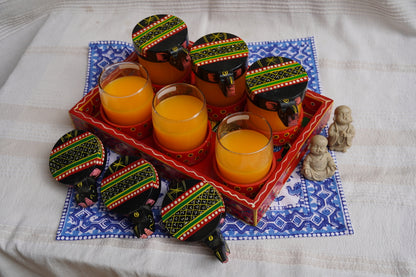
(367, 60)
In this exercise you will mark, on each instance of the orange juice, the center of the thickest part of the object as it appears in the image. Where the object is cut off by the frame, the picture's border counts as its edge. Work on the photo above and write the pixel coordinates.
(128, 100)
(244, 156)
(215, 96)
(163, 73)
(180, 122)
(271, 116)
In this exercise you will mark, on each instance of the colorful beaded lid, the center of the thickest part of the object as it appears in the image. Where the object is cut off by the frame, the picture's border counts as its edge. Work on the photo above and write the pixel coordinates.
(128, 184)
(217, 56)
(275, 83)
(75, 156)
(159, 37)
(192, 209)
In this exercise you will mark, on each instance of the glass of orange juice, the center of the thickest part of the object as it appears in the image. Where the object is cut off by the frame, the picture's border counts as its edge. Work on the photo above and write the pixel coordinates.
(244, 148)
(126, 93)
(179, 116)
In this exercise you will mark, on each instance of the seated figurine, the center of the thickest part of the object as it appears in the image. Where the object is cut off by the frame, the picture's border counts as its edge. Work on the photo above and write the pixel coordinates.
(341, 132)
(318, 164)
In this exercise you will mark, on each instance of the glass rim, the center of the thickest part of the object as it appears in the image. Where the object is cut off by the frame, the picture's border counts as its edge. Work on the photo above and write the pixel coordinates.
(162, 90)
(270, 138)
(140, 66)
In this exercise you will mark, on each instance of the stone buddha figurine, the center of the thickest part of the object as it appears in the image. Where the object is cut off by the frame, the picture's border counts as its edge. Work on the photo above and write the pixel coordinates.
(318, 164)
(341, 132)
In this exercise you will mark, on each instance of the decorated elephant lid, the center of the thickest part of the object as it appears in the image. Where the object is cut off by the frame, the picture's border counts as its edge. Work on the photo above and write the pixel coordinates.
(219, 58)
(77, 159)
(129, 182)
(192, 210)
(273, 82)
(131, 187)
(277, 84)
(161, 38)
(76, 155)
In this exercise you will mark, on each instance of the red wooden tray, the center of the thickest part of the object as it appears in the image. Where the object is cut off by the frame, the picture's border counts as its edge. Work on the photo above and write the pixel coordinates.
(317, 108)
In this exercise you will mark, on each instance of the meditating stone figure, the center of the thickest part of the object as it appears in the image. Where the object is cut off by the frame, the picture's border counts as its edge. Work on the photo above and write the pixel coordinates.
(318, 164)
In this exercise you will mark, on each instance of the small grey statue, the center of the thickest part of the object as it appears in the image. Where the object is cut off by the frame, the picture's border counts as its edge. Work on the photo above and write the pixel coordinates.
(318, 164)
(341, 132)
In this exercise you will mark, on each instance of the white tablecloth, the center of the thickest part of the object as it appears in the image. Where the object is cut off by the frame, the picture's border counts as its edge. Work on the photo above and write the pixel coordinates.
(367, 60)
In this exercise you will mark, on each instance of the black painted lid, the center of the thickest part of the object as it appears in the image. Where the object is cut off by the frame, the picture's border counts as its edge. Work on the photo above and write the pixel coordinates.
(128, 184)
(161, 38)
(276, 83)
(192, 209)
(218, 55)
(76, 156)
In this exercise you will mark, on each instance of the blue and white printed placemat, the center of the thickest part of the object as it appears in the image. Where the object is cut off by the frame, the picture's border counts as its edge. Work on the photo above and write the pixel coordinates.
(302, 209)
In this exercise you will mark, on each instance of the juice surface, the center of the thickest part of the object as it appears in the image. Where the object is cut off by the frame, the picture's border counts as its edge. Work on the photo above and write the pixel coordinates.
(179, 107)
(125, 86)
(179, 124)
(124, 110)
(244, 141)
(240, 166)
